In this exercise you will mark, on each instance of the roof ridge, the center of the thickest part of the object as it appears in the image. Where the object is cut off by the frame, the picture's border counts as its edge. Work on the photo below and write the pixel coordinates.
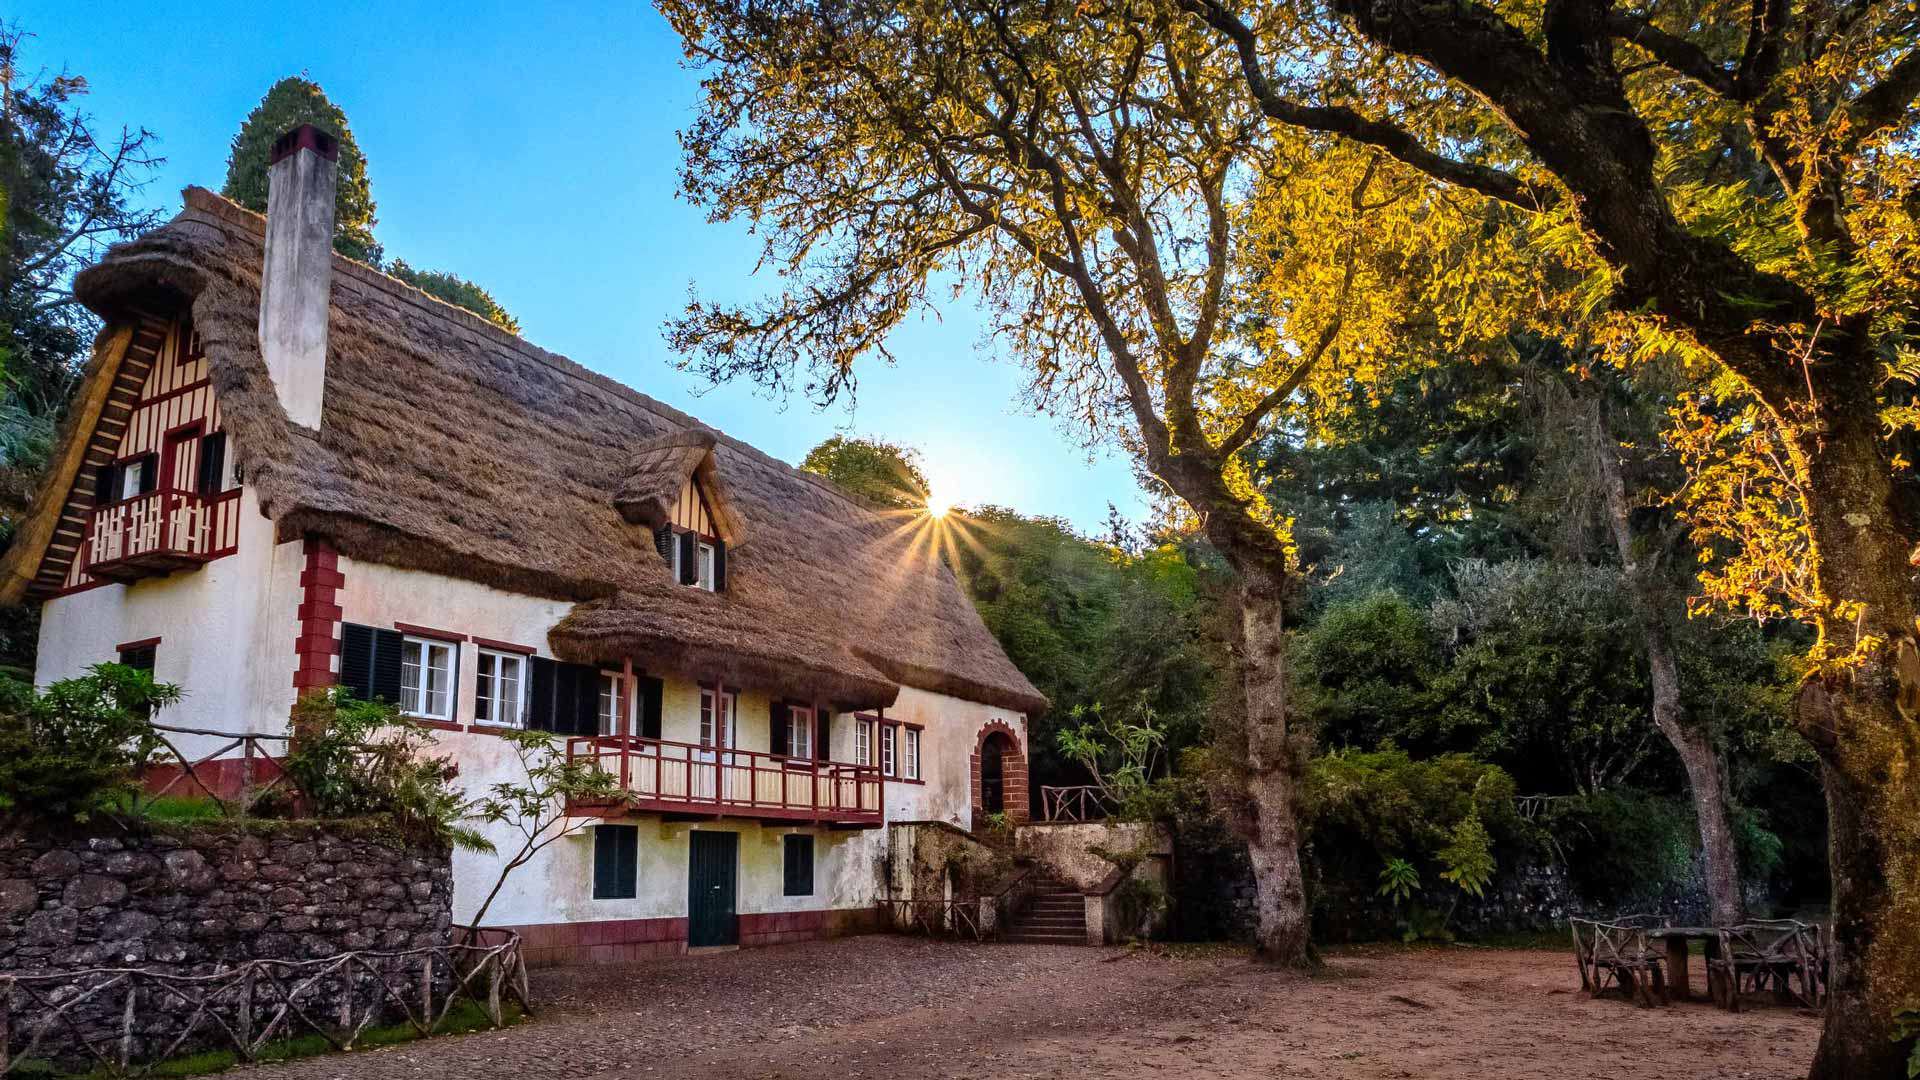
(212, 202)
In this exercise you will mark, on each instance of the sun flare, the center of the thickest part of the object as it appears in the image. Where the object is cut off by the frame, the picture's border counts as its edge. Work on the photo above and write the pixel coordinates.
(938, 506)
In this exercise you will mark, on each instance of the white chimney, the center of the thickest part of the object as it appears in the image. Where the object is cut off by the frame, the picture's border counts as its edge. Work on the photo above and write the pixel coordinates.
(296, 282)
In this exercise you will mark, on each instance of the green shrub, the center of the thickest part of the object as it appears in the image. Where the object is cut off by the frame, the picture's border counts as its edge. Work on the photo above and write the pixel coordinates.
(1619, 844)
(76, 750)
(353, 758)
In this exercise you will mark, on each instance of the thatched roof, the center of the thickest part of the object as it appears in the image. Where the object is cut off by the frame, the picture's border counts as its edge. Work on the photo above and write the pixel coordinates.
(449, 445)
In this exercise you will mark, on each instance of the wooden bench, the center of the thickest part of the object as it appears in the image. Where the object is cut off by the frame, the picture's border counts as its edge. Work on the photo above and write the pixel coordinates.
(1618, 953)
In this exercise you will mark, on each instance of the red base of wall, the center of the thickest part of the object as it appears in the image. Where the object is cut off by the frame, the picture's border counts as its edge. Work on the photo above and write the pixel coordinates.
(618, 941)
(221, 777)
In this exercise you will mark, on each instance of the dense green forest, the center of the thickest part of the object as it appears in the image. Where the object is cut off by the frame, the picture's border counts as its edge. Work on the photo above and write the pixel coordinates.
(1463, 646)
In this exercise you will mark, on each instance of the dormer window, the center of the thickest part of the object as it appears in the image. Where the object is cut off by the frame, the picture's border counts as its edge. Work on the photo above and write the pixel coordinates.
(675, 489)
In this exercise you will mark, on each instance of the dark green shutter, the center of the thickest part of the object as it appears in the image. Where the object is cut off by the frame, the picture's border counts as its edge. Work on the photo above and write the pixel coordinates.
(650, 693)
(149, 472)
(823, 733)
(213, 463)
(663, 541)
(540, 685)
(616, 862)
(719, 566)
(370, 662)
(586, 699)
(386, 666)
(778, 720)
(106, 485)
(689, 559)
(799, 865)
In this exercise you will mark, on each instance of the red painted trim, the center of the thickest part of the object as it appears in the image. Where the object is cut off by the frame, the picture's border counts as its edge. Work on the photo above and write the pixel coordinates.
(438, 725)
(316, 641)
(178, 391)
(170, 441)
(614, 941)
(504, 646)
(141, 644)
(428, 632)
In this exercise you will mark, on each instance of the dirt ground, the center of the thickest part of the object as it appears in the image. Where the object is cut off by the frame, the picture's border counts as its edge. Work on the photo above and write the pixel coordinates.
(891, 1007)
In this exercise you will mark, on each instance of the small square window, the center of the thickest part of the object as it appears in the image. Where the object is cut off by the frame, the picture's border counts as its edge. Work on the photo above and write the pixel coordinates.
(799, 876)
(616, 862)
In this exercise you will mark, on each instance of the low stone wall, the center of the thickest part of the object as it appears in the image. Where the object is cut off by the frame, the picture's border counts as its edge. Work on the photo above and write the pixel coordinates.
(192, 901)
(194, 898)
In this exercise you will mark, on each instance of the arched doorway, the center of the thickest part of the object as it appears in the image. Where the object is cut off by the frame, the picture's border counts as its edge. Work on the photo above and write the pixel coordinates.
(993, 773)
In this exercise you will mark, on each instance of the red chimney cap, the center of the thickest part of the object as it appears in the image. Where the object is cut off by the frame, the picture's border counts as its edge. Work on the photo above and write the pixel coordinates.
(307, 137)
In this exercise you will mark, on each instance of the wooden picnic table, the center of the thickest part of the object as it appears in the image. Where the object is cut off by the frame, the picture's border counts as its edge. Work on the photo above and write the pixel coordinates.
(1678, 939)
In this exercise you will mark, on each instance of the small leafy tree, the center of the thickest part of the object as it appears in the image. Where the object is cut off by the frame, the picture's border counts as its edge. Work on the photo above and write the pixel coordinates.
(1123, 753)
(77, 748)
(885, 474)
(536, 807)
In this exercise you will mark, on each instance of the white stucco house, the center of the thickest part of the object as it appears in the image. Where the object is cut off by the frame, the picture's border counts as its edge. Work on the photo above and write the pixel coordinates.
(286, 471)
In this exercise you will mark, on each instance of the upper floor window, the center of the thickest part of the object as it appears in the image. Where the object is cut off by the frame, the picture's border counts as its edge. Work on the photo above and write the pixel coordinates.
(799, 732)
(426, 678)
(609, 703)
(693, 558)
(863, 742)
(886, 749)
(500, 689)
(910, 760)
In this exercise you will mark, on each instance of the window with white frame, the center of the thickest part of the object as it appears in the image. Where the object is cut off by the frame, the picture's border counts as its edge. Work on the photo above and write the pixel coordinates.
(134, 477)
(609, 703)
(716, 727)
(500, 689)
(799, 732)
(910, 760)
(863, 742)
(706, 565)
(426, 678)
(886, 749)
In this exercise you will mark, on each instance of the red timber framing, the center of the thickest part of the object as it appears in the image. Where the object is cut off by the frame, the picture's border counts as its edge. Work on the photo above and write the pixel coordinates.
(162, 404)
(319, 615)
(692, 781)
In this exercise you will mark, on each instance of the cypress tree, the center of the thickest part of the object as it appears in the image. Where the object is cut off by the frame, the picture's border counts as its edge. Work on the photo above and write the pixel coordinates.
(292, 101)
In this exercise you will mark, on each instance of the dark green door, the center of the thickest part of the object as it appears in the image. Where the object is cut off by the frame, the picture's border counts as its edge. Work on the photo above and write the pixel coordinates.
(713, 860)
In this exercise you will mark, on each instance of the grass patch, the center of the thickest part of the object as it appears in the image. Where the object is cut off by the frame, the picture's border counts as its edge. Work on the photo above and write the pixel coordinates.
(461, 1019)
(169, 809)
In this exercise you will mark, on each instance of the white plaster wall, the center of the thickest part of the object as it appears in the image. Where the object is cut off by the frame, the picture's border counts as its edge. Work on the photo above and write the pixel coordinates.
(376, 595)
(227, 631)
(946, 750)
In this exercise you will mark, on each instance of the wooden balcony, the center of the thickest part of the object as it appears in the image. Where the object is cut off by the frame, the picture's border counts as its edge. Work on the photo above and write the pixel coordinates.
(157, 533)
(686, 781)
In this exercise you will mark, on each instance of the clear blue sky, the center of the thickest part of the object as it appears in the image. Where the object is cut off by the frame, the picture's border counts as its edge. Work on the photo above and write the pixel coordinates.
(533, 150)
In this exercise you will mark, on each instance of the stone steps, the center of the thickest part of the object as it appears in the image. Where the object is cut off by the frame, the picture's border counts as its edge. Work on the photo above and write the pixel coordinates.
(1056, 915)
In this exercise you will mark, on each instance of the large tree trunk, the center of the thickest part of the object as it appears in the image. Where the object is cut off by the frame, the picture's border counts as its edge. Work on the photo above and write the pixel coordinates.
(1706, 776)
(1860, 717)
(1273, 831)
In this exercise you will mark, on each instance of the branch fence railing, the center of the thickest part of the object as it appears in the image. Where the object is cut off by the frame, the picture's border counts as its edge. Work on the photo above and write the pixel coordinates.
(125, 1021)
(1083, 802)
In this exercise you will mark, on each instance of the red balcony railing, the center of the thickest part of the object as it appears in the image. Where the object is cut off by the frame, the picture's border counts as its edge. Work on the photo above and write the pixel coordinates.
(681, 778)
(156, 533)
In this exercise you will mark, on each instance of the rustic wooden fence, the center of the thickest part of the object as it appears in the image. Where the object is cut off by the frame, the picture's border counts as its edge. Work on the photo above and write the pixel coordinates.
(124, 1021)
(1072, 804)
(958, 918)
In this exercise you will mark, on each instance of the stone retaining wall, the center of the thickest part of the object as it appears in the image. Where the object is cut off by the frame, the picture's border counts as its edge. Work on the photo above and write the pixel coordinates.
(191, 899)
